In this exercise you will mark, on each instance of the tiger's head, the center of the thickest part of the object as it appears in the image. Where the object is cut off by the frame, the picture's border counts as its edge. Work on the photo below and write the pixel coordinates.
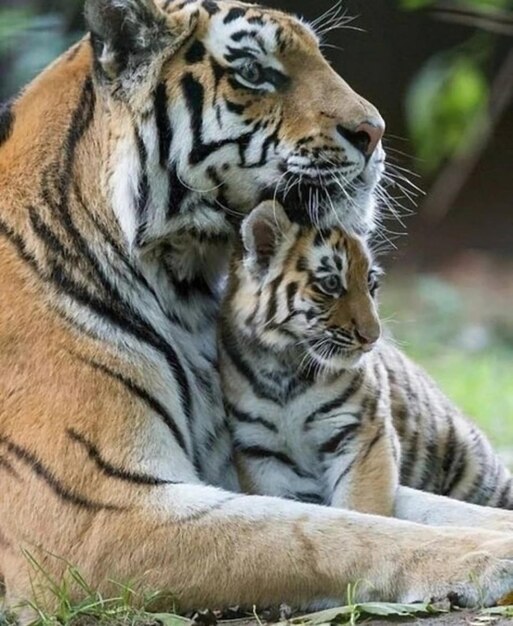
(304, 293)
(217, 105)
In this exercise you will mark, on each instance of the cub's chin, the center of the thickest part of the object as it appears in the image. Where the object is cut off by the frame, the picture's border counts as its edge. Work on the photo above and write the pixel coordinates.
(337, 361)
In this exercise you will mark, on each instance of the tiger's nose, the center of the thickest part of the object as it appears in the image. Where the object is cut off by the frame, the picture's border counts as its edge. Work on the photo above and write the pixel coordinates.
(366, 136)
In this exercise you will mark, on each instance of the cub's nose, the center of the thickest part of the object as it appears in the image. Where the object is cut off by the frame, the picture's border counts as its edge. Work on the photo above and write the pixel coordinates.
(365, 137)
(367, 336)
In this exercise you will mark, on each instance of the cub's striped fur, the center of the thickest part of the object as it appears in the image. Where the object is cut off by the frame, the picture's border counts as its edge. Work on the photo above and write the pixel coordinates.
(123, 169)
(318, 412)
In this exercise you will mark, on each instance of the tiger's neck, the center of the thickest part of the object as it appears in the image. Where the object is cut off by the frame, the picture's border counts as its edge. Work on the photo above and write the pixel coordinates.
(96, 211)
(114, 164)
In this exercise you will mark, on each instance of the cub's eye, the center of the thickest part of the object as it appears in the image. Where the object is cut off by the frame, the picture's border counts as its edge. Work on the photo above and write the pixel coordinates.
(251, 72)
(332, 285)
(373, 284)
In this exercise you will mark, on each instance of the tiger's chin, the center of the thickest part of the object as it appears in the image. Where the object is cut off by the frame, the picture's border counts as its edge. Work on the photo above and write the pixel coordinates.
(309, 202)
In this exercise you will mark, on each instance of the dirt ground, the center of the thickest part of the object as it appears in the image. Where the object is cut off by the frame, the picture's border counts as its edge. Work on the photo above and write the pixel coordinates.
(460, 618)
(457, 618)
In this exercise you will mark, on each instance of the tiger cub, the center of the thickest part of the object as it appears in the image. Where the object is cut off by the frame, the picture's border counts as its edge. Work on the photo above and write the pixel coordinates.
(320, 410)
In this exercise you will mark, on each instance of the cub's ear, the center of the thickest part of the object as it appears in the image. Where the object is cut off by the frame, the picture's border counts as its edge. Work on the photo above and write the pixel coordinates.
(263, 231)
(127, 34)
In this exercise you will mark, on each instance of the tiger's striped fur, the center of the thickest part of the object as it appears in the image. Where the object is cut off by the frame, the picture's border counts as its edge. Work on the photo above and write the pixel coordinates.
(123, 169)
(318, 412)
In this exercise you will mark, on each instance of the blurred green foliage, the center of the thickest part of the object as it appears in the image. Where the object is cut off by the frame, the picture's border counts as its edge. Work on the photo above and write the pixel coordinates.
(32, 34)
(446, 107)
(448, 101)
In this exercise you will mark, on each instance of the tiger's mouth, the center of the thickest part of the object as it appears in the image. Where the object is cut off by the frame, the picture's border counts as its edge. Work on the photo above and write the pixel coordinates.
(309, 199)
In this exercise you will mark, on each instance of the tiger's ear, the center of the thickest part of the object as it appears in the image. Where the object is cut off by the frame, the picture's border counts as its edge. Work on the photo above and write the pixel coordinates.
(263, 231)
(127, 34)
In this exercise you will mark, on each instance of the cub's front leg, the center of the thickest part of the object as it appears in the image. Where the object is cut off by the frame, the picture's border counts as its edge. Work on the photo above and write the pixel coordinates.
(274, 473)
(365, 476)
(362, 459)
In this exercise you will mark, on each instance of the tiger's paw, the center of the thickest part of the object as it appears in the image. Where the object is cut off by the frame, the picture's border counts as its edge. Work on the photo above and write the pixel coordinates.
(481, 578)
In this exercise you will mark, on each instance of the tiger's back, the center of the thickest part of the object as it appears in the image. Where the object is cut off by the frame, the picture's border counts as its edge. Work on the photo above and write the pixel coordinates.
(441, 450)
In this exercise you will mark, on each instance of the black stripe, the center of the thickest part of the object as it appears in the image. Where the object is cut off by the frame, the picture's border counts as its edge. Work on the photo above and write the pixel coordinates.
(256, 19)
(272, 140)
(7, 467)
(19, 243)
(233, 107)
(409, 456)
(272, 305)
(234, 54)
(242, 34)
(160, 102)
(458, 468)
(379, 435)
(196, 53)
(210, 7)
(340, 400)
(259, 452)
(119, 313)
(344, 434)
(194, 94)
(348, 468)
(143, 395)
(428, 477)
(80, 122)
(115, 472)
(450, 448)
(234, 14)
(229, 344)
(68, 495)
(505, 500)
(247, 418)
(177, 192)
(291, 294)
(135, 274)
(144, 185)
(6, 121)
(311, 498)
(54, 246)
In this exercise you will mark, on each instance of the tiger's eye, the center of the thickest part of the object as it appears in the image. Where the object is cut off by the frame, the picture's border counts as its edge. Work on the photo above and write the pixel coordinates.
(251, 72)
(332, 285)
(373, 283)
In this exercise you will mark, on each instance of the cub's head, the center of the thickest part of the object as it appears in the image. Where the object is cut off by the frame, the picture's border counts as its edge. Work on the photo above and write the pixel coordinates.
(229, 104)
(296, 288)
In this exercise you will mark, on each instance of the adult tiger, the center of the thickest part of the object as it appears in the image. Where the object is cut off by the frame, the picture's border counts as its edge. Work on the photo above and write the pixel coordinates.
(121, 169)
